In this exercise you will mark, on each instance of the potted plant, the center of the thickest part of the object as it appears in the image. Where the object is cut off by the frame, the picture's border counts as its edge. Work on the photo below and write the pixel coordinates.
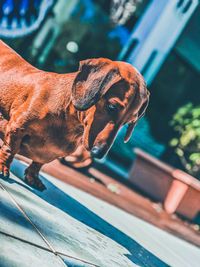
(186, 144)
(177, 190)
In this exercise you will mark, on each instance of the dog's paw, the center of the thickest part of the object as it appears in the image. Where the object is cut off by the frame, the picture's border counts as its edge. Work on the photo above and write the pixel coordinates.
(34, 182)
(4, 171)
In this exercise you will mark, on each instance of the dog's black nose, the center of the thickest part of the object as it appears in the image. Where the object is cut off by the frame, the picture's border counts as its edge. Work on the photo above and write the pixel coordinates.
(97, 152)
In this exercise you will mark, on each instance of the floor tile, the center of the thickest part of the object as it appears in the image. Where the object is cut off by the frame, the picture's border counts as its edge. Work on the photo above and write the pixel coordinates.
(14, 253)
(75, 230)
(11, 219)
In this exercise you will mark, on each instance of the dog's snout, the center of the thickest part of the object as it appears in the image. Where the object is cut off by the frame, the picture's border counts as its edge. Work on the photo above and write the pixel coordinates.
(98, 151)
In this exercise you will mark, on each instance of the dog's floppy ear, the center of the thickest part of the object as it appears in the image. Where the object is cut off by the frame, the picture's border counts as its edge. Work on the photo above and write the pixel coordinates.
(94, 78)
(141, 106)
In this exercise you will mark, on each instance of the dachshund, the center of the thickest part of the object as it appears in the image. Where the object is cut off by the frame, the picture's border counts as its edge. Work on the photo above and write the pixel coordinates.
(46, 115)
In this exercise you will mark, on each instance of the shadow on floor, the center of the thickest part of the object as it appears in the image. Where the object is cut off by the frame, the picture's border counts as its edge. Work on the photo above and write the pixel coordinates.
(56, 197)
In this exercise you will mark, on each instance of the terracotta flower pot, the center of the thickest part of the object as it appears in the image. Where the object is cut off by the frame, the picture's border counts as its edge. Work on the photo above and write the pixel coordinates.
(178, 191)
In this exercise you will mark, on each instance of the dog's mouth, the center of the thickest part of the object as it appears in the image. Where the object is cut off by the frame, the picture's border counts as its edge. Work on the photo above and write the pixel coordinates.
(96, 146)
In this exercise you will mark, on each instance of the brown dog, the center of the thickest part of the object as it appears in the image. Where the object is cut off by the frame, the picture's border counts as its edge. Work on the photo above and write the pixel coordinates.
(47, 115)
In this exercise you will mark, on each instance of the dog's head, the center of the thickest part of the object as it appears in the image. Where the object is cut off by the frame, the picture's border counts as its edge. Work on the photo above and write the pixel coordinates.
(110, 94)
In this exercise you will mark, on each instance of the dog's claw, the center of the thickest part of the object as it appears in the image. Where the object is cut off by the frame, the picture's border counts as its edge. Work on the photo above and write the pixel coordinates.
(35, 182)
(4, 172)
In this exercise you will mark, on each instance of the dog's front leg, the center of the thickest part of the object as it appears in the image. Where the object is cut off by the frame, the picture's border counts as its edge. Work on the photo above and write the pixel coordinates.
(3, 125)
(32, 176)
(11, 143)
(14, 132)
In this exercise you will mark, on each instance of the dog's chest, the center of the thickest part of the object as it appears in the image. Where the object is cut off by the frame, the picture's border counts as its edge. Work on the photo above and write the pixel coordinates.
(48, 140)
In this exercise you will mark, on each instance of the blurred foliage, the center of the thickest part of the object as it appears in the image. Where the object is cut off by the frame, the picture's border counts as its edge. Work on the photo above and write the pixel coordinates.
(186, 144)
(90, 34)
(122, 10)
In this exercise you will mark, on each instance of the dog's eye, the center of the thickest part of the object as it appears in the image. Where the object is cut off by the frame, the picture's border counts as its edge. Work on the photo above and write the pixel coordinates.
(112, 109)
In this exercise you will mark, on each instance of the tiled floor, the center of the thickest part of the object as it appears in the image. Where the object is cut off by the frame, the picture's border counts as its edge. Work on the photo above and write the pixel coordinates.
(69, 227)
(121, 195)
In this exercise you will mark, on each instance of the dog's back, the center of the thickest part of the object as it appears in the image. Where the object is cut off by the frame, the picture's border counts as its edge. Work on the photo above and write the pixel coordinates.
(14, 73)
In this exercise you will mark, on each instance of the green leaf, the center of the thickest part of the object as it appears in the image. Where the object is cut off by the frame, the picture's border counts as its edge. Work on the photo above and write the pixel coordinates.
(174, 142)
(194, 157)
(179, 152)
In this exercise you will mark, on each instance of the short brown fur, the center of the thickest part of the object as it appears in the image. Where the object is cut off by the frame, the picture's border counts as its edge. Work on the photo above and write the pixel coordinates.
(46, 115)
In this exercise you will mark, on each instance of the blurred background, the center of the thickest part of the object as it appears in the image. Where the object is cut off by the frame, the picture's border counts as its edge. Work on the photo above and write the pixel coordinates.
(161, 38)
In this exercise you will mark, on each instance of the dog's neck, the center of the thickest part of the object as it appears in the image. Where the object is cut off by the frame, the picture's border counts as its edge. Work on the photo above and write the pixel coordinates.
(74, 113)
(75, 119)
